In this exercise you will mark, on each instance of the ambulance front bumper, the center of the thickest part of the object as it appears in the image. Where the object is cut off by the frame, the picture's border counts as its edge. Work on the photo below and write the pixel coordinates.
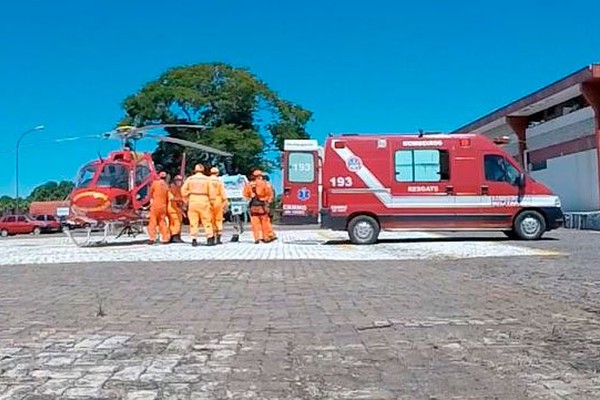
(555, 217)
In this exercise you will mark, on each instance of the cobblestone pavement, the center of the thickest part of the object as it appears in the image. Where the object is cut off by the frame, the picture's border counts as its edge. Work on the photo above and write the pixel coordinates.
(292, 245)
(524, 326)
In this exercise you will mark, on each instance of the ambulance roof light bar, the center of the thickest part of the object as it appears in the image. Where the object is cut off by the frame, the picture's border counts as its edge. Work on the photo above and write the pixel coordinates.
(300, 145)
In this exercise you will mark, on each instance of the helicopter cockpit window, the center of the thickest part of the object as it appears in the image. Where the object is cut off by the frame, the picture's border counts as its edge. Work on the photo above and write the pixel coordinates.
(114, 176)
(142, 170)
(86, 175)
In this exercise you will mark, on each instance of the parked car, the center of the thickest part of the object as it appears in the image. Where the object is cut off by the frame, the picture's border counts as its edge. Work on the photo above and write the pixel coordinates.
(20, 224)
(51, 223)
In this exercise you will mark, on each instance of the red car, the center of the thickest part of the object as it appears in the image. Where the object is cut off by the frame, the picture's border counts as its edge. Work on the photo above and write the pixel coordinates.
(20, 224)
(51, 224)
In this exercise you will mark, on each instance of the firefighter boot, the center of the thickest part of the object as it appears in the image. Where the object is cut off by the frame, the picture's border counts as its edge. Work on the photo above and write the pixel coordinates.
(219, 239)
(235, 238)
(210, 241)
(194, 243)
(176, 239)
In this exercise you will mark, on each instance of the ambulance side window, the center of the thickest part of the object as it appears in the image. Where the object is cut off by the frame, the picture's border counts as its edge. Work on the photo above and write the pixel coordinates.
(422, 165)
(301, 167)
(497, 169)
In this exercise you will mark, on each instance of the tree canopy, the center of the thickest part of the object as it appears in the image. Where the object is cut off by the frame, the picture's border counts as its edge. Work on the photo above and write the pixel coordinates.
(241, 113)
(49, 191)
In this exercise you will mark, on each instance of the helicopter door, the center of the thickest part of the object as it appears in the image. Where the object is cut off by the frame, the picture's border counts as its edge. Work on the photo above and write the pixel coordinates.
(142, 182)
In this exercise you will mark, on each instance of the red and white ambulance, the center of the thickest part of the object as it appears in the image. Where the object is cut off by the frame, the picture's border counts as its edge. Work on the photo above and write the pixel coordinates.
(365, 184)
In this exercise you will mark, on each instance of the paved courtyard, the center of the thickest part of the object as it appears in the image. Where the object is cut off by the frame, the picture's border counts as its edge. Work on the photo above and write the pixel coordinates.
(417, 316)
(292, 245)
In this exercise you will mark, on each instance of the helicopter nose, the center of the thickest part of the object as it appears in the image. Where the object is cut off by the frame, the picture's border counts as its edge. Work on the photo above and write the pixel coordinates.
(91, 201)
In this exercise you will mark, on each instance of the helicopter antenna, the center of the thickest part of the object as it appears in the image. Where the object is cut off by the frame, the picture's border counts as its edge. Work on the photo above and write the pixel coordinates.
(100, 157)
(421, 133)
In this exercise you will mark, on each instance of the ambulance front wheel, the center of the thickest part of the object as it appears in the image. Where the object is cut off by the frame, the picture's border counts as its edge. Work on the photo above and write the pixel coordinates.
(363, 230)
(530, 225)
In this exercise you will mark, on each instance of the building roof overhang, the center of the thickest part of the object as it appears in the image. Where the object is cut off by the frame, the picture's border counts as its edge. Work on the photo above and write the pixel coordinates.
(555, 93)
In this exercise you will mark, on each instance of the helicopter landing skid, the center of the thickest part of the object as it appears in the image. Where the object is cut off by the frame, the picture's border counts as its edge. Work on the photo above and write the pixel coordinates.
(130, 230)
(88, 241)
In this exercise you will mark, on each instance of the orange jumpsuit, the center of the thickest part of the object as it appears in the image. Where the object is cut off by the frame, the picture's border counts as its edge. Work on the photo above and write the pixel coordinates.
(175, 210)
(218, 202)
(271, 203)
(259, 216)
(195, 190)
(159, 195)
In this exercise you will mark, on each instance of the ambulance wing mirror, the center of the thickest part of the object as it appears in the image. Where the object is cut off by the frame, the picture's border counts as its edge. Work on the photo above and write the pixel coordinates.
(521, 180)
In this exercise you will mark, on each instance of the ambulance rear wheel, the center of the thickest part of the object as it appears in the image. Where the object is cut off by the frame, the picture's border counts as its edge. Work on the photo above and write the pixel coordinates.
(530, 225)
(363, 230)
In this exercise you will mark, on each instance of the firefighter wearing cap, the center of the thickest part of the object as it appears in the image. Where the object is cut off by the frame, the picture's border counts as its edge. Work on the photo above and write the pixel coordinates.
(195, 191)
(175, 209)
(218, 202)
(159, 199)
(258, 192)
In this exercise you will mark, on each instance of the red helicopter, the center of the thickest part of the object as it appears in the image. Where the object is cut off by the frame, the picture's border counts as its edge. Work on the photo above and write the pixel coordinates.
(113, 193)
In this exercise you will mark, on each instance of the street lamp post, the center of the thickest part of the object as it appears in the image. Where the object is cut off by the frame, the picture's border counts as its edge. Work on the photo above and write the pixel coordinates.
(37, 128)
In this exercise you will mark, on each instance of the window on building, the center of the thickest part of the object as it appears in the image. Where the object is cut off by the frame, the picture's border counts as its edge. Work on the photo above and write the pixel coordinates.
(422, 165)
(558, 110)
(301, 167)
(498, 169)
(538, 166)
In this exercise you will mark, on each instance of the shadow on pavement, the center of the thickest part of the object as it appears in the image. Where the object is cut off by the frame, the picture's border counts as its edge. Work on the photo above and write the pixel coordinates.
(119, 244)
(451, 239)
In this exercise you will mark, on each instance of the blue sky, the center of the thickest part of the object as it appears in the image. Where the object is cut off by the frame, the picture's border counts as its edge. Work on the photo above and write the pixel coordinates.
(378, 66)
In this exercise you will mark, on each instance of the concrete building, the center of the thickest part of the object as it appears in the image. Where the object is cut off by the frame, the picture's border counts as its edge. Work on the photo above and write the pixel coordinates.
(555, 133)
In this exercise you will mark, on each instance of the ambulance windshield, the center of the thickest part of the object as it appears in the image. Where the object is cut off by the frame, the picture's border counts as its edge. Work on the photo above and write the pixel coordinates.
(301, 167)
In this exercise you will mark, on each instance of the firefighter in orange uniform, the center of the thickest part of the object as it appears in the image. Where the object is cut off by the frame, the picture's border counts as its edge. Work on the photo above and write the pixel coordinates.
(258, 193)
(271, 204)
(195, 190)
(159, 199)
(218, 202)
(175, 209)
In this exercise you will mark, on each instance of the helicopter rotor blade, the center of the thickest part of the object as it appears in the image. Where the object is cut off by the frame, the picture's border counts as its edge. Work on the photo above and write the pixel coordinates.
(187, 143)
(74, 138)
(163, 126)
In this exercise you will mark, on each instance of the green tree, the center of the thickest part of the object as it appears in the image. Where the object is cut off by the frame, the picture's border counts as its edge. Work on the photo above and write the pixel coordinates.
(7, 205)
(241, 113)
(51, 191)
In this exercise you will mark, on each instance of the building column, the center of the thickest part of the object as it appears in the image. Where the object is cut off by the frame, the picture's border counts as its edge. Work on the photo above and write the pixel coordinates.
(519, 127)
(591, 92)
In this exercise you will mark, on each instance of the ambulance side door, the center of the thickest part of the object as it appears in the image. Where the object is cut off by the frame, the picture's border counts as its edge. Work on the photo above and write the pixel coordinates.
(466, 182)
(300, 187)
(499, 190)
